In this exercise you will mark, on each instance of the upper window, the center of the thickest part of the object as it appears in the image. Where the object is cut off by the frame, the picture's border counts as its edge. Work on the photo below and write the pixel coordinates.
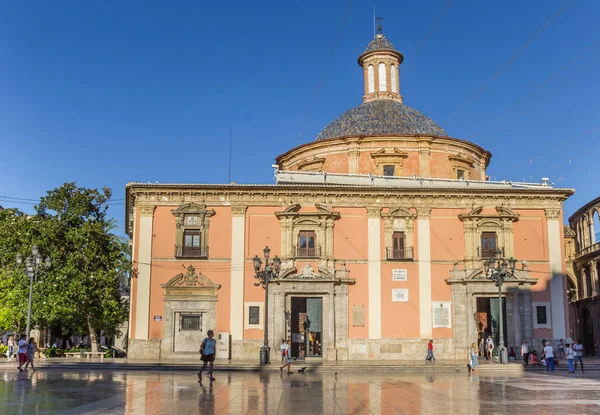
(307, 244)
(489, 247)
(371, 78)
(460, 174)
(388, 170)
(541, 315)
(394, 76)
(382, 78)
(192, 222)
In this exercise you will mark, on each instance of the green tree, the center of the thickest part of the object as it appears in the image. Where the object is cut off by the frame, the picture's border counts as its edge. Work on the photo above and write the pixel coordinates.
(82, 289)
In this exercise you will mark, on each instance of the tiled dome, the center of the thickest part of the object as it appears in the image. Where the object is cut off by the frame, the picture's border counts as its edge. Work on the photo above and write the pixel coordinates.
(379, 117)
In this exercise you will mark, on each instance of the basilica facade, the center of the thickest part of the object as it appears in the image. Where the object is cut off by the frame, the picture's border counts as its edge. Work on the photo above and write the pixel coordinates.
(380, 227)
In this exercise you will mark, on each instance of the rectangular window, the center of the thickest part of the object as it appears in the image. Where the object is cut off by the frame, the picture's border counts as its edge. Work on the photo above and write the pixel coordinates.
(488, 244)
(398, 245)
(254, 315)
(388, 170)
(306, 244)
(191, 242)
(460, 174)
(541, 315)
(190, 322)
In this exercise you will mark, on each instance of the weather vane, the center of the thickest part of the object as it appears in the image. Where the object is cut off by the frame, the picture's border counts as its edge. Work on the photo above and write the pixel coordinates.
(379, 19)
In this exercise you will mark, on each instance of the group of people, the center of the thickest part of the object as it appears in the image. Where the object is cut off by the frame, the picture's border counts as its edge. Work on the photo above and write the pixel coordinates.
(25, 351)
(573, 353)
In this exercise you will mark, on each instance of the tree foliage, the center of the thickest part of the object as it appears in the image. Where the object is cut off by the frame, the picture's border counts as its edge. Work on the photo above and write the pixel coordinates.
(82, 288)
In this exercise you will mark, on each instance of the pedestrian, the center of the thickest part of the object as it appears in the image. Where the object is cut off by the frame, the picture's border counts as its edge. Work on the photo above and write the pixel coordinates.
(525, 353)
(570, 357)
(282, 347)
(11, 348)
(489, 348)
(207, 354)
(22, 352)
(288, 357)
(549, 357)
(561, 349)
(578, 349)
(430, 352)
(31, 348)
(474, 361)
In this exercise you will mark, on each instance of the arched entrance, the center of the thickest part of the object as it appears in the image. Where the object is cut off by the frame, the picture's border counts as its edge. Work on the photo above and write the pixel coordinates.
(587, 331)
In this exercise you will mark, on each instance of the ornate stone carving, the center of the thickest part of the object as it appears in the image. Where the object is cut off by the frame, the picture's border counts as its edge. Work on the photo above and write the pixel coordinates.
(311, 163)
(239, 210)
(389, 157)
(423, 212)
(190, 279)
(147, 210)
(373, 212)
(192, 216)
(553, 213)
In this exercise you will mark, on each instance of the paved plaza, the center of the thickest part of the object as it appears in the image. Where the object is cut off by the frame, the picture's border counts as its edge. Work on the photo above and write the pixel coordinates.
(80, 391)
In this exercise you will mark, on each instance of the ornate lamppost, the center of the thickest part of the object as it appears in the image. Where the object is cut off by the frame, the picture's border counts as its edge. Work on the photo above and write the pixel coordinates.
(33, 264)
(265, 276)
(497, 270)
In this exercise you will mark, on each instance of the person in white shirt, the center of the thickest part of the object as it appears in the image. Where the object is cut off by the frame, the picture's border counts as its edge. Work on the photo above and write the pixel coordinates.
(525, 353)
(282, 347)
(578, 349)
(549, 357)
(570, 357)
(22, 351)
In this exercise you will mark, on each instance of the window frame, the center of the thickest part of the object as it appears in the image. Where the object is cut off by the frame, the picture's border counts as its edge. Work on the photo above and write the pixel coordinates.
(493, 250)
(305, 252)
(261, 314)
(536, 323)
(388, 166)
(182, 315)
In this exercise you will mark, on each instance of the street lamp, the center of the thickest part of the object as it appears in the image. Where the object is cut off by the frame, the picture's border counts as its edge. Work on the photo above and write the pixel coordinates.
(33, 265)
(264, 277)
(497, 270)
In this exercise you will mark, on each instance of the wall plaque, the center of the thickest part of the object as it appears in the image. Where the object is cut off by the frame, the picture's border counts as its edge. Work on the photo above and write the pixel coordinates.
(399, 275)
(400, 294)
(358, 316)
(441, 314)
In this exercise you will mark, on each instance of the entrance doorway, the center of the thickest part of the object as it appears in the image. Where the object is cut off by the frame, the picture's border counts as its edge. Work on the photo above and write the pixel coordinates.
(307, 327)
(488, 320)
(587, 326)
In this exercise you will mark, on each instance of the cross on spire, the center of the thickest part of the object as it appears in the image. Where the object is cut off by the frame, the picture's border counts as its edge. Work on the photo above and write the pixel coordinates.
(379, 19)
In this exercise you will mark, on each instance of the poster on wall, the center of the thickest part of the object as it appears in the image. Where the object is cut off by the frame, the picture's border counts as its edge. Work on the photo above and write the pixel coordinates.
(400, 294)
(441, 314)
(399, 275)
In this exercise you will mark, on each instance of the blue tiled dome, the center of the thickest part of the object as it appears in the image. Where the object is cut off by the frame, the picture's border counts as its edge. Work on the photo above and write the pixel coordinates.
(381, 116)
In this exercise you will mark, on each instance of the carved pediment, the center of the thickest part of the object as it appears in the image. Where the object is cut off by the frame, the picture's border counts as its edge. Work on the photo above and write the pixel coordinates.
(193, 208)
(306, 273)
(504, 213)
(462, 276)
(462, 158)
(311, 163)
(190, 279)
(294, 211)
(388, 154)
(400, 212)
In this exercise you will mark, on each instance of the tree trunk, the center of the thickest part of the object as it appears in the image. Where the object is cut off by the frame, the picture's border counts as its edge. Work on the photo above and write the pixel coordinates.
(92, 331)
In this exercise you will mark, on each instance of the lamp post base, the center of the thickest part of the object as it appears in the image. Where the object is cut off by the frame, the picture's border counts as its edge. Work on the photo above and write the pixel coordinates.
(265, 355)
(503, 354)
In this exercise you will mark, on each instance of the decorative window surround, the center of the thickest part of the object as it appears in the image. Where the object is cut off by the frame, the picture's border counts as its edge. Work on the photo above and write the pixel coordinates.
(399, 220)
(321, 222)
(536, 324)
(261, 313)
(311, 163)
(462, 162)
(389, 157)
(192, 216)
(475, 223)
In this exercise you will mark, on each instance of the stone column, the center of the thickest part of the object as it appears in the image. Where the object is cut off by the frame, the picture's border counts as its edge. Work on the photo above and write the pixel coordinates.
(460, 321)
(236, 295)
(341, 321)
(424, 152)
(144, 259)
(594, 277)
(470, 249)
(374, 271)
(516, 300)
(353, 156)
(527, 314)
(329, 308)
(424, 260)
(557, 286)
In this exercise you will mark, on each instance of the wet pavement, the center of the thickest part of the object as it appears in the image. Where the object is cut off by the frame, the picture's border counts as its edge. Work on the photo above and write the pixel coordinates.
(56, 391)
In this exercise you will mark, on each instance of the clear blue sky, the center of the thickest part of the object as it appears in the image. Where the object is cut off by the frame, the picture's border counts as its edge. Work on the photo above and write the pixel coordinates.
(104, 93)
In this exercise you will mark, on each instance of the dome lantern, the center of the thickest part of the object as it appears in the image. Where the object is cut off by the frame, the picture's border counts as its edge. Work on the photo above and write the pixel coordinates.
(381, 69)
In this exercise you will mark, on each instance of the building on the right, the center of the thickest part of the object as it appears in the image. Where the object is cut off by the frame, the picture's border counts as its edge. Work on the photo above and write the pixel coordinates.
(585, 309)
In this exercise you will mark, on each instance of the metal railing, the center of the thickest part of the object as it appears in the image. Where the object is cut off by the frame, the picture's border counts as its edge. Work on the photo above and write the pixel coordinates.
(190, 252)
(406, 254)
(308, 252)
(490, 253)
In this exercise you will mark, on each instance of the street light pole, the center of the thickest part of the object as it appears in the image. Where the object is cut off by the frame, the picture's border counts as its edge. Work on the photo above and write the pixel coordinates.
(498, 271)
(32, 267)
(264, 277)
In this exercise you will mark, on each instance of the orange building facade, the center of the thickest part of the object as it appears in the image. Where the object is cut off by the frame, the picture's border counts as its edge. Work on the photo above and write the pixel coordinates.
(381, 225)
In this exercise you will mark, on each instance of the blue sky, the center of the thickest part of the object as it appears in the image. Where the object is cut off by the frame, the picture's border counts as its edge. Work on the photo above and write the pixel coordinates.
(104, 93)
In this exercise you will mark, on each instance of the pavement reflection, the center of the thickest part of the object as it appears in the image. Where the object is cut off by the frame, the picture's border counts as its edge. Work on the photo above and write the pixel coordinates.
(129, 392)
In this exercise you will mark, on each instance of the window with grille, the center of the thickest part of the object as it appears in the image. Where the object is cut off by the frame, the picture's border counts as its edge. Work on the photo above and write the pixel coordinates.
(191, 242)
(254, 315)
(306, 244)
(388, 170)
(190, 322)
(398, 245)
(488, 244)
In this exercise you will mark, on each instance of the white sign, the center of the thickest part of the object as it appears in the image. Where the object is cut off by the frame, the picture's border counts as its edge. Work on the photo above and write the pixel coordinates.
(441, 314)
(399, 275)
(157, 318)
(400, 294)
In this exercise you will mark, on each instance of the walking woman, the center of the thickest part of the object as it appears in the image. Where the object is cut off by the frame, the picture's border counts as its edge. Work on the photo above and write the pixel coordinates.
(287, 357)
(31, 348)
(474, 361)
(207, 352)
(11, 348)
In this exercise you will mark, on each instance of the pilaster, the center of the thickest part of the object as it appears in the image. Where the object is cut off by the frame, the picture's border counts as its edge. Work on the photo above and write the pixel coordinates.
(374, 271)
(557, 286)
(236, 299)
(424, 260)
(143, 281)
